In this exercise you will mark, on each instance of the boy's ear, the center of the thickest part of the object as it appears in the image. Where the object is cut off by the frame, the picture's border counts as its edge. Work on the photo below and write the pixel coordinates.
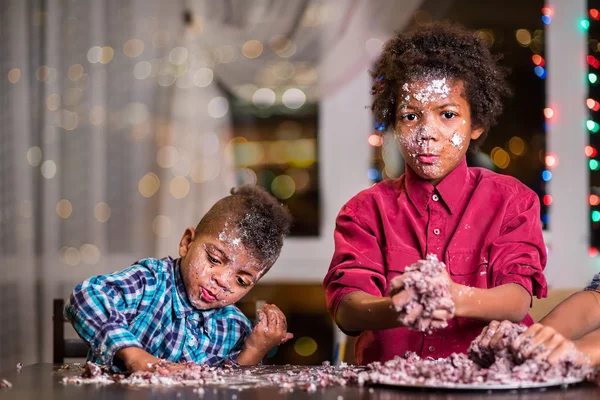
(188, 237)
(476, 133)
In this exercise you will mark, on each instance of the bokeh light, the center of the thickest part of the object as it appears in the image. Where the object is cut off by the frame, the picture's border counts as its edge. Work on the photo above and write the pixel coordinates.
(102, 212)
(64, 208)
(180, 187)
(149, 184)
(252, 49)
(293, 98)
(218, 107)
(263, 97)
(516, 145)
(34, 156)
(203, 77)
(305, 346)
(283, 187)
(90, 254)
(48, 169)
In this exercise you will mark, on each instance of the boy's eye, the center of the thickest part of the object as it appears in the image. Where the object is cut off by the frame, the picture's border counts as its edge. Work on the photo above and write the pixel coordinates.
(242, 282)
(212, 259)
(448, 114)
(409, 117)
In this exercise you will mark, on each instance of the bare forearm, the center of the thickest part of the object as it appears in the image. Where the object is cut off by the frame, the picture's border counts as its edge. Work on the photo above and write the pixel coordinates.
(250, 356)
(360, 311)
(576, 316)
(505, 302)
(590, 346)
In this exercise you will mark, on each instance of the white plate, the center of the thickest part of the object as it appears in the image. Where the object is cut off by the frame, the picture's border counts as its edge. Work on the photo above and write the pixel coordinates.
(483, 386)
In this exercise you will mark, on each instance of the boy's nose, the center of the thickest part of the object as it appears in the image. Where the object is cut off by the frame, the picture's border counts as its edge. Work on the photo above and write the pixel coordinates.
(222, 280)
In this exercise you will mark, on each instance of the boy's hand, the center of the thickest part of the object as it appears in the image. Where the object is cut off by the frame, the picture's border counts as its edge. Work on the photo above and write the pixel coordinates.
(494, 333)
(270, 331)
(554, 346)
(137, 359)
(401, 296)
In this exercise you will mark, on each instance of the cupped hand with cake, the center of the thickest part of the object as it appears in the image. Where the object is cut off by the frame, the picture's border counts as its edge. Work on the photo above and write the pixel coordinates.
(269, 332)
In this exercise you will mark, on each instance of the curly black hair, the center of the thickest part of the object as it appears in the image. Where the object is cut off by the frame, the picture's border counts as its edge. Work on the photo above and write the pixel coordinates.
(259, 219)
(441, 49)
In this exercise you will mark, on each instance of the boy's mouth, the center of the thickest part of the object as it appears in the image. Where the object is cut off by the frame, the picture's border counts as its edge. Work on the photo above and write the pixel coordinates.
(207, 295)
(427, 158)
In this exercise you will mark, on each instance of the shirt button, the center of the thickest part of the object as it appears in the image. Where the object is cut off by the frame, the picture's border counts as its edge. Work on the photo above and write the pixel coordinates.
(431, 349)
(436, 231)
(435, 197)
(192, 341)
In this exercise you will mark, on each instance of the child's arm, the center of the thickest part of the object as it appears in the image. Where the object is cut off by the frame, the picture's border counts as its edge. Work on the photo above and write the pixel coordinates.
(576, 316)
(505, 302)
(270, 331)
(100, 308)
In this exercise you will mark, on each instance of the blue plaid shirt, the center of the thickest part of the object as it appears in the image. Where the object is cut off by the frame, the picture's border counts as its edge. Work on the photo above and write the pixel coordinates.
(595, 285)
(146, 306)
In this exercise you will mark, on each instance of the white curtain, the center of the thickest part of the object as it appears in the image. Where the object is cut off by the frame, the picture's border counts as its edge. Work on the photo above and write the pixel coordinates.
(114, 124)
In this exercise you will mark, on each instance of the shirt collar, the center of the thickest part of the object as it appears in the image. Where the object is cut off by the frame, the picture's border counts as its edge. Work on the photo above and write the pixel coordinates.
(450, 188)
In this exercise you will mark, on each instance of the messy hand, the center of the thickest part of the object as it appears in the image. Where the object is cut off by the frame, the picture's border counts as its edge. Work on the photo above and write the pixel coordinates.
(270, 331)
(401, 297)
(547, 344)
(493, 334)
(136, 359)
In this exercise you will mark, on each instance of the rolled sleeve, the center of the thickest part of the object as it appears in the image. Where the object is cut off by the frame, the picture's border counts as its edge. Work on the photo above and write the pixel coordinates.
(357, 262)
(518, 255)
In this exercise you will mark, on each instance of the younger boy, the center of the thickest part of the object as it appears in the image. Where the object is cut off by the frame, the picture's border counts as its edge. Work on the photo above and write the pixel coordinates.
(183, 309)
(439, 90)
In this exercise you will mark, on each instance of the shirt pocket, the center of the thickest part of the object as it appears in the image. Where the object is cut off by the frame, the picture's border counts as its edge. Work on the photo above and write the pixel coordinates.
(396, 261)
(468, 267)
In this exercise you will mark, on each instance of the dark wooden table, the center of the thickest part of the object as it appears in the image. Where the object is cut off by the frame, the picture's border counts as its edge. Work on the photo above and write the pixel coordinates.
(42, 381)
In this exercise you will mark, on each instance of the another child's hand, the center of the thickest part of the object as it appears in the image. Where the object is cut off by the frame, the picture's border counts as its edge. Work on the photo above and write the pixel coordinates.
(554, 346)
(270, 331)
(493, 334)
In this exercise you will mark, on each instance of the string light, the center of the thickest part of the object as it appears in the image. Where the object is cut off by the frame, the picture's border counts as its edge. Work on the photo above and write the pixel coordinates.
(593, 252)
(596, 216)
(594, 200)
(540, 72)
(546, 176)
(548, 113)
(591, 151)
(547, 200)
(592, 104)
(592, 125)
(594, 165)
(551, 161)
(538, 60)
(585, 24)
(593, 78)
(595, 14)
(593, 61)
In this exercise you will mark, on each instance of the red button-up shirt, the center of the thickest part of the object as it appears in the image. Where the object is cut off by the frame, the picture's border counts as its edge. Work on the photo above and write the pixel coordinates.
(484, 226)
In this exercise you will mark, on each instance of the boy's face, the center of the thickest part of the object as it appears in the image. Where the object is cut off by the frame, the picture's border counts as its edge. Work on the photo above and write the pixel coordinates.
(433, 126)
(217, 269)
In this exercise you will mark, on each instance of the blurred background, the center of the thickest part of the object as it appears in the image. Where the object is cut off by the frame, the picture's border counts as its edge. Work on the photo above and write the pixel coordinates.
(123, 121)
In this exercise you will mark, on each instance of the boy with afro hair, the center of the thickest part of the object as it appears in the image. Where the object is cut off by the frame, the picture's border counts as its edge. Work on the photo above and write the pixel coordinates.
(439, 90)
